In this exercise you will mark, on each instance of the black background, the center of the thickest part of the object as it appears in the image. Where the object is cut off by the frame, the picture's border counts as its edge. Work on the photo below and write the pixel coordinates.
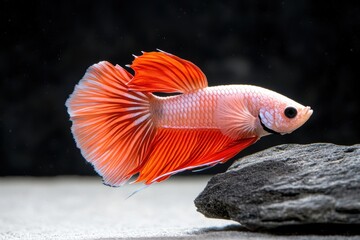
(307, 50)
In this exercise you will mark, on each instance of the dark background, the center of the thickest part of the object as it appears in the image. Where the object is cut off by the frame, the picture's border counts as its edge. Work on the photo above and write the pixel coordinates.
(307, 50)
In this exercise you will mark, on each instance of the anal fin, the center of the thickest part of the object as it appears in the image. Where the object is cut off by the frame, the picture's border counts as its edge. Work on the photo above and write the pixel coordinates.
(176, 150)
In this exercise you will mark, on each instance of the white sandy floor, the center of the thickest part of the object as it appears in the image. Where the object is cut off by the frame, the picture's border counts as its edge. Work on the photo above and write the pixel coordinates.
(83, 208)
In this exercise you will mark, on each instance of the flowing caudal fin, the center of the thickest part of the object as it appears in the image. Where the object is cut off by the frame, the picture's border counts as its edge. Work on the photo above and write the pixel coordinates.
(111, 125)
(164, 72)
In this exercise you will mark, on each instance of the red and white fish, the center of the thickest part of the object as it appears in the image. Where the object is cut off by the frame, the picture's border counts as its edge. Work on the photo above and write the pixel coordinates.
(122, 128)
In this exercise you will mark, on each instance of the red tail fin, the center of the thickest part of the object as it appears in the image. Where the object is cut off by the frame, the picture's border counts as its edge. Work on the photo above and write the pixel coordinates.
(111, 125)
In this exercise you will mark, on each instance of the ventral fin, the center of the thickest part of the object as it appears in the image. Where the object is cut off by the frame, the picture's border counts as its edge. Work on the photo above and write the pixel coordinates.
(164, 72)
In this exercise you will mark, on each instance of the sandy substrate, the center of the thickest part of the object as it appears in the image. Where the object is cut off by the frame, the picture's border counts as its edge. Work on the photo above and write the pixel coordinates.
(83, 208)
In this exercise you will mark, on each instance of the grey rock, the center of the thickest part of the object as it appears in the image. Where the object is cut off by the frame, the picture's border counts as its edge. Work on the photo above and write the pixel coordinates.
(288, 185)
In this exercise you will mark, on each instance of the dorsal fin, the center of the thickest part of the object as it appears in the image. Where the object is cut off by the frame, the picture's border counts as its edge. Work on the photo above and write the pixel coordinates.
(164, 72)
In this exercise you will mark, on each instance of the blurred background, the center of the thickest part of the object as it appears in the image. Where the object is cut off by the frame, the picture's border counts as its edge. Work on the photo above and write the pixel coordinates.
(307, 50)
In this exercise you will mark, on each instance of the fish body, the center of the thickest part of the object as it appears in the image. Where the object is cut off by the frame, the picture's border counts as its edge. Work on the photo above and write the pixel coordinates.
(122, 128)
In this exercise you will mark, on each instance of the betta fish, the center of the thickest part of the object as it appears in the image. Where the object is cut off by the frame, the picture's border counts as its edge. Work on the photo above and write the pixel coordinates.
(124, 128)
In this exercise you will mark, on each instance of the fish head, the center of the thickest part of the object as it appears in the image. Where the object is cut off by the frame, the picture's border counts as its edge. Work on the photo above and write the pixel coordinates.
(281, 115)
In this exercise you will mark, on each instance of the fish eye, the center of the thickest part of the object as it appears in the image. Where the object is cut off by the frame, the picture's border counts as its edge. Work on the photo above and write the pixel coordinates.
(290, 112)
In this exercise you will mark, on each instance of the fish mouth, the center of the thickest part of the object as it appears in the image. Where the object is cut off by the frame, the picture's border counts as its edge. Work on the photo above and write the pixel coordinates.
(266, 128)
(308, 112)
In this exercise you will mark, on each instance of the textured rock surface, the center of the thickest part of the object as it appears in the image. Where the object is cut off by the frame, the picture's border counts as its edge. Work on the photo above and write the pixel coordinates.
(288, 185)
